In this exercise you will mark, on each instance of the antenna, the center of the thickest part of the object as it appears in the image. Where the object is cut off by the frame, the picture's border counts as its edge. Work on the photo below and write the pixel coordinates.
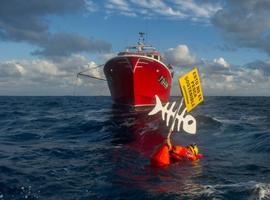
(141, 37)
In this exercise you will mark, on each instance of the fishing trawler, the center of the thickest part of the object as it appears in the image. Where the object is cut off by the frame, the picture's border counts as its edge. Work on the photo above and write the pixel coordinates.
(137, 74)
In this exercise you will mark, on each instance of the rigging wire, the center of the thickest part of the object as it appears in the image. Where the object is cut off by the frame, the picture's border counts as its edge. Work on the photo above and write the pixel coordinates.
(75, 85)
(90, 76)
(92, 68)
(76, 81)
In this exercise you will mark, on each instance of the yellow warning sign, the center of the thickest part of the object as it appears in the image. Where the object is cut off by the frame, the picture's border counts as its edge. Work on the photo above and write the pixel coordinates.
(191, 89)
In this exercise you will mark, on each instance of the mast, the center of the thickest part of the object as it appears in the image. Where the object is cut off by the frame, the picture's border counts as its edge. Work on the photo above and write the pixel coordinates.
(141, 38)
(141, 46)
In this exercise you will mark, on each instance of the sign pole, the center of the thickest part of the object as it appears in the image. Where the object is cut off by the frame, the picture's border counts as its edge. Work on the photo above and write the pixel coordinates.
(173, 122)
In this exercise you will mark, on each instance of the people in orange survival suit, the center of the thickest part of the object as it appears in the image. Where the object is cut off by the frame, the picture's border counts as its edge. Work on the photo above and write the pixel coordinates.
(167, 154)
(161, 158)
(190, 152)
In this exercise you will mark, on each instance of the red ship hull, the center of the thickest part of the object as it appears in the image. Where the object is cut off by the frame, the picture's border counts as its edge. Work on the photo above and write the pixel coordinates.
(134, 80)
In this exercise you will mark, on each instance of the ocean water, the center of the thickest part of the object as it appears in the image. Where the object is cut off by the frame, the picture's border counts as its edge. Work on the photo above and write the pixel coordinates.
(85, 148)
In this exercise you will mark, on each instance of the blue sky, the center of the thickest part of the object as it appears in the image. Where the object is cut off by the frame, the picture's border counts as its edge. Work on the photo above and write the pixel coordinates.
(43, 44)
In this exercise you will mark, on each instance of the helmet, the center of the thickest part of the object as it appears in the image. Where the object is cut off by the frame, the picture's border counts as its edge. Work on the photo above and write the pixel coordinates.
(193, 148)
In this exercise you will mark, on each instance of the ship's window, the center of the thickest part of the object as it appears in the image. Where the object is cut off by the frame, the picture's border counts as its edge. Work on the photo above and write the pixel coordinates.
(156, 57)
(149, 55)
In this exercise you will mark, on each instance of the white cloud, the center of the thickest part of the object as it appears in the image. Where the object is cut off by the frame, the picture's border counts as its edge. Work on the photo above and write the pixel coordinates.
(34, 27)
(179, 56)
(229, 78)
(219, 77)
(45, 67)
(120, 4)
(46, 77)
(204, 10)
(11, 69)
(94, 70)
(120, 7)
(222, 62)
(245, 23)
(90, 6)
(181, 9)
(159, 7)
(235, 80)
(20, 69)
(103, 58)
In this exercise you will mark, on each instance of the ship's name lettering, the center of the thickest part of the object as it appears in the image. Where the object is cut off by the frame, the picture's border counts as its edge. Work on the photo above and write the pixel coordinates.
(163, 82)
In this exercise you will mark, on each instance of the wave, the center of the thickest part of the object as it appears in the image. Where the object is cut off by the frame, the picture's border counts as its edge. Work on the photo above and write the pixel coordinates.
(208, 119)
(243, 190)
(259, 142)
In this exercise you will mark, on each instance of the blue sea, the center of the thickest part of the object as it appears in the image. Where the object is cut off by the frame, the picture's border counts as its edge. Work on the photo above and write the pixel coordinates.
(86, 148)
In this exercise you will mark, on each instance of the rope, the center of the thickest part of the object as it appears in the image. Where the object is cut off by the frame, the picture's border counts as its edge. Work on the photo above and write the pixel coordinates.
(92, 68)
(89, 76)
(168, 139)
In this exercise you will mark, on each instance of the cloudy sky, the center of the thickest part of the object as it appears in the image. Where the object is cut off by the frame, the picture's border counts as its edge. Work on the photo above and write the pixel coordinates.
(43, 44)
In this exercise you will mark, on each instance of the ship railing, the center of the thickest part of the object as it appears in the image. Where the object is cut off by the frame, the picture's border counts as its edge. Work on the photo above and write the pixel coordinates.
(141, 48)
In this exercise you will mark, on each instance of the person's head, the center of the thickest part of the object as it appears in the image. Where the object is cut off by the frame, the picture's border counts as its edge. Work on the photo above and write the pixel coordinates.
(193, 148)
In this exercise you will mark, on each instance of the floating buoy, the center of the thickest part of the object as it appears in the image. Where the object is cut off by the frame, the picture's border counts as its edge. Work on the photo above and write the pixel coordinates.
(161, 157)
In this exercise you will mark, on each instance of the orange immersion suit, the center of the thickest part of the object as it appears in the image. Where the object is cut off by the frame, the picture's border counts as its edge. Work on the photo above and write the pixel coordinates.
(164, 157)
(161, 157)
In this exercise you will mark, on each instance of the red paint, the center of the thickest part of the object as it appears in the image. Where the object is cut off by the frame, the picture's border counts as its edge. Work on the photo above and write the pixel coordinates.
(135, 79)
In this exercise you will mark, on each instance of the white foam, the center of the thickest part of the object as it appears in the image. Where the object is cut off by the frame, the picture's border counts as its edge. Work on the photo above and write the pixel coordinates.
(260, 191)
(226, 121)
(100, 115)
